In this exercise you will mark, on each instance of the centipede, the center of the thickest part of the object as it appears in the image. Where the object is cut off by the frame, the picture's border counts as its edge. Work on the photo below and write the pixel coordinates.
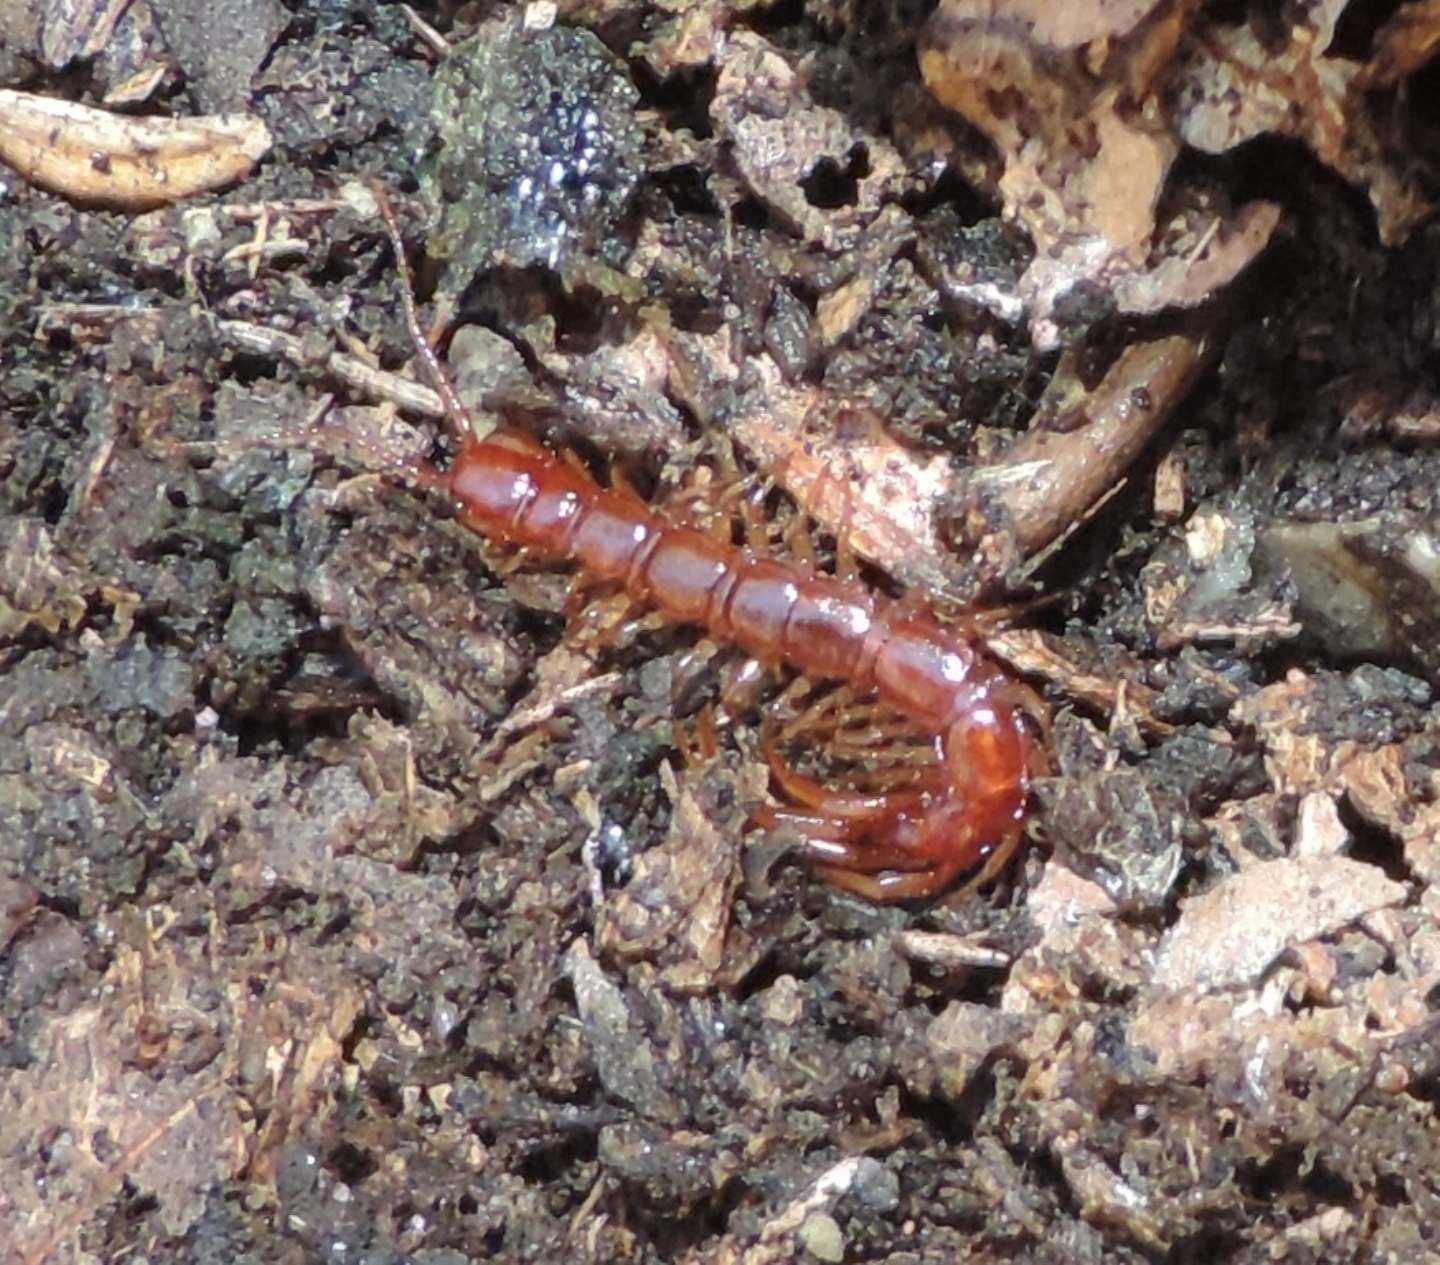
(964, 810)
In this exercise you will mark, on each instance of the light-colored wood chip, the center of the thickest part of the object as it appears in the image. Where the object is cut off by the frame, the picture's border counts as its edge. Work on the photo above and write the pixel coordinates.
(94, 156)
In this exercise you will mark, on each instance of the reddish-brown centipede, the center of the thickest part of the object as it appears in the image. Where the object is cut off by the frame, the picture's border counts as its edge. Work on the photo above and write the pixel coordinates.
(965, 811)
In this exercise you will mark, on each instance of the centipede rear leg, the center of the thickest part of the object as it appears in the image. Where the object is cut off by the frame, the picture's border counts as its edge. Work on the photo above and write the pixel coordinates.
(843, 855)
(850, 838)
(856, 810)
(996, 861)
(890, 887)
(1028, 703)
(840, 855)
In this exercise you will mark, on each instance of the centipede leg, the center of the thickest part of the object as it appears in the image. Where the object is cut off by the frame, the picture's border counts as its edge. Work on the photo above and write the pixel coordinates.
(800, 540)
(752, 516)
(868, 871)
(821, 837)
(715, 499)
(700, 742)
(816, 715)
(847, 564)
(834, 842)
(1029, 704)
(995, 863)
(740, 683)
(889, 887)
(845, 805)
(873, 873)
(742, 498)
(602, 620)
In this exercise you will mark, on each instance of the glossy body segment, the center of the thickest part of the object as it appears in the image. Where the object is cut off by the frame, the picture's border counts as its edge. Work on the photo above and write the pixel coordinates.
(900, 845)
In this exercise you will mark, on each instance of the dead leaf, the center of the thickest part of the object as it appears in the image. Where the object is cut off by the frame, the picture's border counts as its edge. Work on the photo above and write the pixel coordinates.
(1070, 96)
(845, 470)
(677, 907)
(779, 136)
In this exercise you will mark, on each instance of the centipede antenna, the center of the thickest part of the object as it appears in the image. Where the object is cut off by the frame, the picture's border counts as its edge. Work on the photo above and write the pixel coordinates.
(460, 419)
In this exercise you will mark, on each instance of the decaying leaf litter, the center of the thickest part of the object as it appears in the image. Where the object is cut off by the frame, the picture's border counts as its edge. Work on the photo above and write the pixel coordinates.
(355, 897)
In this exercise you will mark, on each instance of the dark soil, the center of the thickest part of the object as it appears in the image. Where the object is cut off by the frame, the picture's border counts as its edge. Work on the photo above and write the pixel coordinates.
(356, 901)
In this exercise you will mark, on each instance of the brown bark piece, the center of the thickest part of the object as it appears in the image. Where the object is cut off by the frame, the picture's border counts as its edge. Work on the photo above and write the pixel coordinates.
(1071, 96)
(1233, 87)
(1231, 934)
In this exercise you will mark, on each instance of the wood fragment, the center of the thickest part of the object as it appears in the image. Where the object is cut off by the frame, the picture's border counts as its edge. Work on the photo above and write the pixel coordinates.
(95, 156)
(1051, 480)
(351, 370)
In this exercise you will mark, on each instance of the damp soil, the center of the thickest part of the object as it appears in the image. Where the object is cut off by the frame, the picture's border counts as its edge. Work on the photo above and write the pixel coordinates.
(368, 892)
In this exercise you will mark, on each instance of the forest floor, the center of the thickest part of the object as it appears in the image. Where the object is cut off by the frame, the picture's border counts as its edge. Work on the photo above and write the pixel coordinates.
(368, 892)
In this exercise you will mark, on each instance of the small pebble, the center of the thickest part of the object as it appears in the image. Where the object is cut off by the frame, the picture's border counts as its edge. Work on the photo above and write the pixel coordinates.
(820, 1236)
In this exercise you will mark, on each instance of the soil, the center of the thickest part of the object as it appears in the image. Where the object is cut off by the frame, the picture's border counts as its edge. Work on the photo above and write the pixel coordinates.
(369, 892)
